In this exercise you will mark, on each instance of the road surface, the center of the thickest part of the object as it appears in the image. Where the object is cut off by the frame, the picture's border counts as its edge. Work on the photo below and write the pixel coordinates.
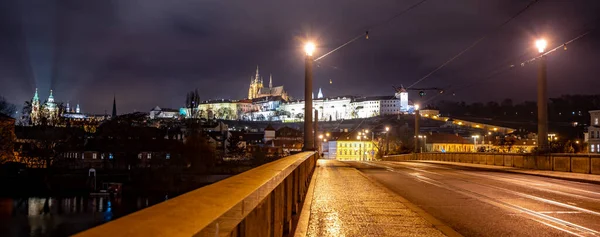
(479, 202)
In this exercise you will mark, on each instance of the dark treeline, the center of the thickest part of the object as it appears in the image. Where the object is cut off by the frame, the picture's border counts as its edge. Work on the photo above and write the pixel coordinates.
(567, 108)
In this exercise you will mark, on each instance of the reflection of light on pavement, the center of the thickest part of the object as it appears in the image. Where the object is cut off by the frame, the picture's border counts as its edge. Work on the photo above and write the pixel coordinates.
(334, 224)
(321, 162)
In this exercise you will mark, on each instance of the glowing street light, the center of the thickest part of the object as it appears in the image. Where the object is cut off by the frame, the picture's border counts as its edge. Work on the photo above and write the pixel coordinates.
(417, 128)
(327, 134)
(321, 136)
(387, 129)
(541, 45)
(309, 48)
(542, 97)
(309, 143)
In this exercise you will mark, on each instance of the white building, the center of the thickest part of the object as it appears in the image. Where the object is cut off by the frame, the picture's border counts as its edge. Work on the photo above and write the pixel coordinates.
(340, 108)
(594, 131)
(161, 113)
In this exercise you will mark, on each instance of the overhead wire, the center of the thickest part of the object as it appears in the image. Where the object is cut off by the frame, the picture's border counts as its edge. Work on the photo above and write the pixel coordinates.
(371, 28)
(503, 69)
(472, 45)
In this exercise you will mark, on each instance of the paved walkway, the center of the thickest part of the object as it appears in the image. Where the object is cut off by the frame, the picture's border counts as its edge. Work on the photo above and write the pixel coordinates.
(347, 203)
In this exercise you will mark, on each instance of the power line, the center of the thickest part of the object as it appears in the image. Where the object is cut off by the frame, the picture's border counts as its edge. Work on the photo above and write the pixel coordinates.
(474, 43)
(372, 27)
(503, 69)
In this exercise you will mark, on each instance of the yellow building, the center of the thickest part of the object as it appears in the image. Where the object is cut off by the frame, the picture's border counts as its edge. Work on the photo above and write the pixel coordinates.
(355, 150)
(448, 143)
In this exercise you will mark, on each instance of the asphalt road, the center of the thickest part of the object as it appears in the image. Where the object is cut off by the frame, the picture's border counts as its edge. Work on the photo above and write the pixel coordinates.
(479, 202)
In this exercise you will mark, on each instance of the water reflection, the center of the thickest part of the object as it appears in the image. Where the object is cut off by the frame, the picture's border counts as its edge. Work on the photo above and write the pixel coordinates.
(48, 216)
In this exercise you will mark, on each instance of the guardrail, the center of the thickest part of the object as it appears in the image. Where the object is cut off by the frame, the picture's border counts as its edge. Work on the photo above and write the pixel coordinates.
(263, 201)
(576, 163)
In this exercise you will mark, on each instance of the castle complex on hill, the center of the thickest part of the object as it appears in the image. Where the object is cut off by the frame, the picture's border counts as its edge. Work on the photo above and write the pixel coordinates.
(273, 104)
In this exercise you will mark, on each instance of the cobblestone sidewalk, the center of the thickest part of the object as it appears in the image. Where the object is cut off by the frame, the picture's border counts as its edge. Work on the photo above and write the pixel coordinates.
(345, 203)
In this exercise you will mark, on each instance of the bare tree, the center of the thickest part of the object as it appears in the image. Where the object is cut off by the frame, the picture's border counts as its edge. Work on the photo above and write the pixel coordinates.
(7, 108)
(192, 100)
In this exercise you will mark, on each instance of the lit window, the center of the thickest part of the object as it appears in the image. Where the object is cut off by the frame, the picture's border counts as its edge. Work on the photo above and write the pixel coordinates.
(168, 156)
(94, 156)
(596, 121)
(110, 156)
(592, 148)
(140, 156)
(149, 156)
(102, 156)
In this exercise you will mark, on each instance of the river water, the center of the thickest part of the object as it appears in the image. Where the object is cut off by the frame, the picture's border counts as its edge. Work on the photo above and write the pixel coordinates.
(53, 216)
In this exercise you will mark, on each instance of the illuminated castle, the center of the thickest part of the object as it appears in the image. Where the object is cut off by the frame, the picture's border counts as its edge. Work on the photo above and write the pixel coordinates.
(257, 90)
(47, 111)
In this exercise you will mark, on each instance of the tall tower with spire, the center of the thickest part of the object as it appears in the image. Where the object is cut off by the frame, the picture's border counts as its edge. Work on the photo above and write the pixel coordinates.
(256, 84)
(114, 110)
(35, 108)
(320, 94)
(270, 81)
(51, 109)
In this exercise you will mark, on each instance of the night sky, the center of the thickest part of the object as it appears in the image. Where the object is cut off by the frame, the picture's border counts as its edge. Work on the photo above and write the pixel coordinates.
(151, 52)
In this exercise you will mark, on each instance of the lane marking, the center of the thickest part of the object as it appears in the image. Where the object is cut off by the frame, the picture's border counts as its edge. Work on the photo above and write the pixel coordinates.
(569, 227)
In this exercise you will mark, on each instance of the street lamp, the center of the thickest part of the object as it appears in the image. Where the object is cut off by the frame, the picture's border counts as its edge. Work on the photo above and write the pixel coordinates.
(417, 118)
(542, 97)
(475, 142)
(541, 45)
(309, 49)
(387, 140)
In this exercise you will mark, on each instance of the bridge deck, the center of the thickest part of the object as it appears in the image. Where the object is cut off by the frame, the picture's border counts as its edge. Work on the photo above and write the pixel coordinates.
(347, 203)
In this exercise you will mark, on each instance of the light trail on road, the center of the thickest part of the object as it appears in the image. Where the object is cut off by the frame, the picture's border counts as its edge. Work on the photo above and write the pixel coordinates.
(562, 205)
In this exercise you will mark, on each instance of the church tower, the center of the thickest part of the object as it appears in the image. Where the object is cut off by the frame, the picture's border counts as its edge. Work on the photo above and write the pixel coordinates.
(35, 108)
(255, 85)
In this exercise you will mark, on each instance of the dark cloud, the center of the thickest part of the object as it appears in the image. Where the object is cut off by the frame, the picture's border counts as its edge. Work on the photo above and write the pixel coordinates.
(152, 52)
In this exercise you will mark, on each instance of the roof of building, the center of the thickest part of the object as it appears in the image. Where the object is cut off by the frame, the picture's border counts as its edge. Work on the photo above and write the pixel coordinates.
(369, 98)
(447, 138)
(164, 109)
(275, 91)
(269, 128)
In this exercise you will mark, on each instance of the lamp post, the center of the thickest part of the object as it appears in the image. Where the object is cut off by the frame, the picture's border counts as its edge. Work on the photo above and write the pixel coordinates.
(542, 98)
(475, 142)
(417, 118)
(387, 140)
(309, 49)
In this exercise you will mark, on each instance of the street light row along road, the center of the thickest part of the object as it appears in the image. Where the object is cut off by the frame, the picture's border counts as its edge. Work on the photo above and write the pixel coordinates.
(479, 202)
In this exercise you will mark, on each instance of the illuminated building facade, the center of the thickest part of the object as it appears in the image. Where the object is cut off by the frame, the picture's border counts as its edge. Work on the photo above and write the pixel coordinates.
(257, 90)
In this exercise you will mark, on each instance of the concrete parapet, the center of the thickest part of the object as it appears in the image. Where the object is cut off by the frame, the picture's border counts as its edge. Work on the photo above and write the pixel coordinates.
(562, 163)
(580, 165)
(508, 160)
(595, 163)
(263, 201)
(577, 163)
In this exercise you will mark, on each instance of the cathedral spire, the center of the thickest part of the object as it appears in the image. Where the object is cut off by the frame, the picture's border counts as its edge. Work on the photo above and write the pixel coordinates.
(257, 76)
(114, 111)
(51, 97)
(77, 110)
(270, 81)
(320, 94)
(35, 96)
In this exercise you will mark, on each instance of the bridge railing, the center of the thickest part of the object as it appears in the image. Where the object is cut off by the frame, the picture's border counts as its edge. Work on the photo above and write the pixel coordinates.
(576, 163)
(263, 201)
